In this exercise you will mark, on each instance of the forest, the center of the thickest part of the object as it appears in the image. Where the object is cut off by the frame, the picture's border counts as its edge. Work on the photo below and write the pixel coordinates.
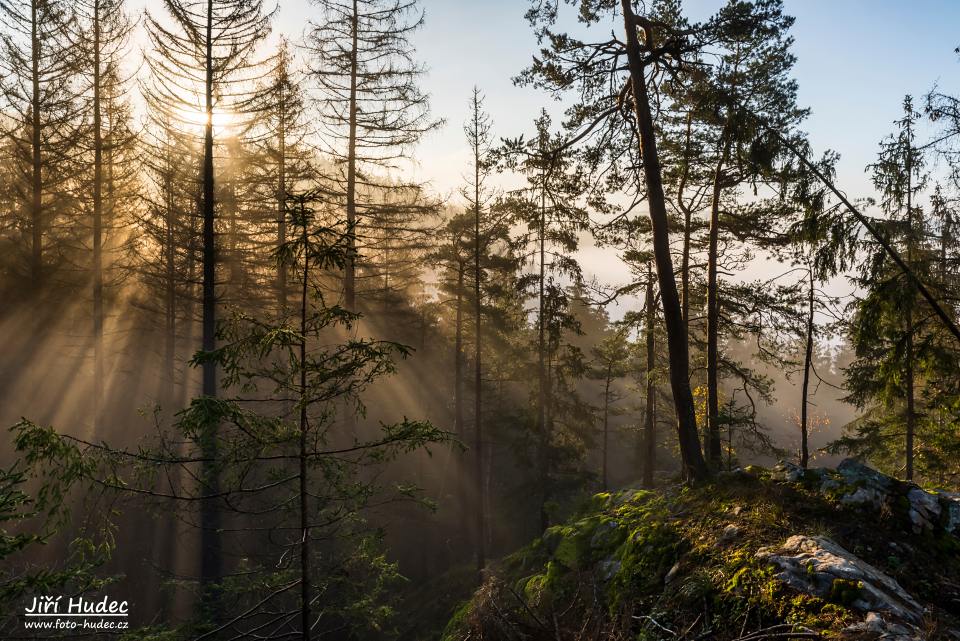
(649, 369)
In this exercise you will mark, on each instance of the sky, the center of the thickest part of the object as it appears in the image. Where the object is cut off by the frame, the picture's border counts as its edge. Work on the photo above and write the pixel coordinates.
(856, 59)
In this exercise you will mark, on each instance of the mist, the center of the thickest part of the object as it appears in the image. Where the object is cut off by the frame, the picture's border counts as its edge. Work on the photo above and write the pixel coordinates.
(265, 377)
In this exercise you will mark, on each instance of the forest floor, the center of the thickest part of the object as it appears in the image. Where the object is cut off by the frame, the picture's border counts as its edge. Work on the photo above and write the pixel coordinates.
(755, 554)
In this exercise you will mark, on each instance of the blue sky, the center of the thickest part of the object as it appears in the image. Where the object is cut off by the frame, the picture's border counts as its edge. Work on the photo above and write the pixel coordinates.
(855, 61)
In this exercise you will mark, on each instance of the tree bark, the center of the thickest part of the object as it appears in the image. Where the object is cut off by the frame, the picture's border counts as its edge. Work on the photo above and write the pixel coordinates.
(170, 318)
(211, 559)
(304, 515)
(687, 232)
(805, 395)
(542, 390)
(911, 415)
(606, 425)
(349, 277)
(458, 392)
(36, 204)
(909, 382)
(649, 432)
(282, 200)
(692, 458)
(97, 224)
(711, 444)
(478, 368)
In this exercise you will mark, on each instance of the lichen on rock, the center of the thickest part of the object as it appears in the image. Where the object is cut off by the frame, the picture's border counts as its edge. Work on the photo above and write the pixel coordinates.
(819, 566)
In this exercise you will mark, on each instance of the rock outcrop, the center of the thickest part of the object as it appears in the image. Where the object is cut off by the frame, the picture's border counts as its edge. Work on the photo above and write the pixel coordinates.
(818, 566)
(854, 483)
(848, 554)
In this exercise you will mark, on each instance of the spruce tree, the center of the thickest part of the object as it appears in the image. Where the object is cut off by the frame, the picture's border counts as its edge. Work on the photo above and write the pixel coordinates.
(371, 113)
(551, 208)
(750, 63)
(201, 62)
(609, 364)
(478, 132)
(889, 329)
(285, 162)
(38, 60)
(109, 137)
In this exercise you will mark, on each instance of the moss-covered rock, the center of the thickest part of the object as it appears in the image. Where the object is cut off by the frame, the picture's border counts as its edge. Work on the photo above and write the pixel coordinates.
(601, 575)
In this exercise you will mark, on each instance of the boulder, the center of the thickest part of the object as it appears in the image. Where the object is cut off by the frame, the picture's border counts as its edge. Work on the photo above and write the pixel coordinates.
(819, 566)
(950, 502)
(729, 534)
(875, 627)
(924, 511)
(864, 485)
(787, 471)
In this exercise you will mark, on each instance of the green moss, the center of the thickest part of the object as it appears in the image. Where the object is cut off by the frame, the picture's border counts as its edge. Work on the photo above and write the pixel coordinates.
(646, 552)
(458, 622)
(547, 584)
(844, 591)
(753, 586)
(611, 559)
(530, 557)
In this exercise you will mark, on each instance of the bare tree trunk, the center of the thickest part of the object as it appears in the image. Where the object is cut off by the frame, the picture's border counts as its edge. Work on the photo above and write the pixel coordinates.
(478, 371)
(911, 410)
(168, 533)
(458, 392)
(282, 202)
(170, 318)
(542, 391)
(911, 415)
(97, 225)
(211, 559)
(649, 432)
(304, 515)
(687, 232)
(36, 205)
(909, 382)
(711, 444)
(805, 393)
(693, 464)
(349, 276)
(606, 425)
(945, 241)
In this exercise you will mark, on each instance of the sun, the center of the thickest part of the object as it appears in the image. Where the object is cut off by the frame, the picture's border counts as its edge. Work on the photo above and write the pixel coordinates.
(223, 120)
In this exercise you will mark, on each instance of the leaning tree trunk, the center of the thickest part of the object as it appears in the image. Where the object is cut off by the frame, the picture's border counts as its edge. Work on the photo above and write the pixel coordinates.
(693, 464)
